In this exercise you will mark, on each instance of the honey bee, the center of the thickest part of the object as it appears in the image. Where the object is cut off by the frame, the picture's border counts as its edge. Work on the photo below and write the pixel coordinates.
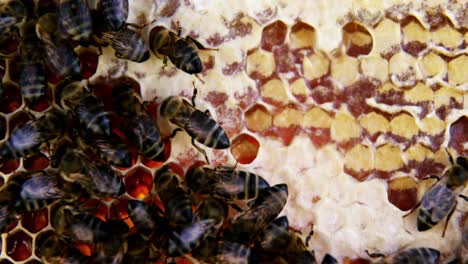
(7, 215)
(199, 125)
(113, 13)
(30, 191)
(189, 237)
(57, 249)
(138, 125)
(263, 210)
(28, 138)
(12, 12)
(112, 248)
(211, 209)
(127, 43)
(112, 150)
(218, 251)
(98, 179)
(140, 251)
(175, 197)
(74, 20)
(60, 54)
(410, 256)
(225, 182)
(146, 218)
(86, 108)
(440, 201)
(32, 78)
(182, 52)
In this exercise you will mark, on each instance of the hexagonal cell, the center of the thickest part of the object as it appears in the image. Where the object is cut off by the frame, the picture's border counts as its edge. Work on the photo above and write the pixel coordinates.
(403, 70)
(356, 96)
(156, 164)
(42, 104)
(18, 119)
(375, 67)
(273, 34)
(388, 158)
(19, 246)
(404, 125)
(457, 72)
(36, 162)
(119, 210)
(357, 39)
(316, 65)
(432, 126)
(11, 99)
(433, 65)
(40, 239)
(344, 127)
(285, 60)
(244, 148)
(302, 36)
(260, 64)
(415, 36)
(345, 69)
(258, 118)
(139, 182)
(274, 92)
(89, 59)
(374, 124)
(359, 162)
(402, 192)
(448, 37)
(10, 41)
(449, 97)
(387, 38)
(9, 166)
(419, 93)
(369, 13)
(458, 135)
(35, 221)
(288, 117)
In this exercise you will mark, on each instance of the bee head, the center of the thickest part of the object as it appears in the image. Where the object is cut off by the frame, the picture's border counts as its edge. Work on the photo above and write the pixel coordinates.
(16, 8)
(46, 27)
(457, 176)
(170, 107)
(158, 37)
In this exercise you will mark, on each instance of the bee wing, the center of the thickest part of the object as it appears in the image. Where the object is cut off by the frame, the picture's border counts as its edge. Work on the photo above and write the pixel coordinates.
(229, 183)
(40, 187)
(438, 202)
(25, 137)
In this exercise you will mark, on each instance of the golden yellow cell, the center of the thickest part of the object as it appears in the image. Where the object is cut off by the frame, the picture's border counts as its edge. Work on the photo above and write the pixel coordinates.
(433, 65)
(387, 36)
(261, 62)
(299, 88)
(402, 68)
(419, 93)
(288, 117)
(402, 183)
(317, 118)
(316, 65)
(388, 158)
(358, 158)
(447, 37)
(344, 127)
(375, 67)
(419, 153)
(344, 69)
(404, 125)
(432, 125)
(458, 70)
(414, 31)
(375, 123)
(275, 89)
(258, 120)
(304, 37)
(444, 95)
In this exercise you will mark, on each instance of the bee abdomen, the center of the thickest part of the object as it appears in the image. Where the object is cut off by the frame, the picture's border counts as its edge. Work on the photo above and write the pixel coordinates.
(181, 243)
(74, 20)
(179, 209)
(92, 116)
(206, 131)
(115, 13)
(417, 255)
(22, 142)
(33, 82)
(63, 59)
(186, 58)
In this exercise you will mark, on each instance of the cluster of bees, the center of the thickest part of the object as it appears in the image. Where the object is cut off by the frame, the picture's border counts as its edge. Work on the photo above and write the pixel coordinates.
(83, 146)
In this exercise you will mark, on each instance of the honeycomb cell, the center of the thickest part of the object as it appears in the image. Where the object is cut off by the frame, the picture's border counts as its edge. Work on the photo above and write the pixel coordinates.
(419, 153)
(448, 96)
(35, 221)
(11, 99)
(344, 127)
(458, 135)
(274, 92)
(285, 60)
(41, 105)
(258, 118)
(317, 118)
(432, 65)
(357, 39)
(422, 161)
(302, 36)
(375, 67)
(139, 182)
(36, 162)
(419, 93)
(19, 246)
(387, 38)
(415, 36)
(374, 123)
(402, 192)
(457, 70)
(345, 69)
(299, 89)
(40, 239)
(119, 210)
(403, 69)
(388, 158)
(323, 91)
(368, 12)
(288, 117)
(260, 64)
(9, 166)
(17, 120)
(356, 95)
(273, 34)
(9, 42)
(244, 148)
(156, 164)
(404, 125)
(316, 65)
(432, 125)
(359, 162)
(447, 37)
(89, 59)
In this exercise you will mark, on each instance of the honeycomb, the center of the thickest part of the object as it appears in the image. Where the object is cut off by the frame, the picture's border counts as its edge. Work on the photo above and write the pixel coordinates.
(358, 98)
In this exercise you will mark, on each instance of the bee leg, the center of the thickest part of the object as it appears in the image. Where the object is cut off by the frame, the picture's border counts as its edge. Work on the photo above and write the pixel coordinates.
(463, 197)
(431, 177)
(140, 26)
(202, 151)
(448, 218)
(309, 237)
(375, 255)
(175, 131)
(198, 77)
(194, 95)
(236, 207)
(198, 44)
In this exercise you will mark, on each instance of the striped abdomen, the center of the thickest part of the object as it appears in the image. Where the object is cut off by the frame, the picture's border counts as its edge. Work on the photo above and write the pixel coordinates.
(416, 256)
(144, 134)
(105, 182)
(185, 57)
(74, 20)
(238, 185)
(23, 141)
(184, 241)
(63, 59)
(205, 130)
(435, 205)
(113, 152)
(114, 13)
(92, 116)
(179, 208)
(127, 44)
(33, 82)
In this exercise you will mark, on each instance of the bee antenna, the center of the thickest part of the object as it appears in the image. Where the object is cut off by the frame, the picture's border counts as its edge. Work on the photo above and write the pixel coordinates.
(449, 156)
(374, 255)
(196, 75)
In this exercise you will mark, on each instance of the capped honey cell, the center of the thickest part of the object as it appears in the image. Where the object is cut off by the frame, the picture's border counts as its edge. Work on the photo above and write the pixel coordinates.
(244, 148)
(345, 69)
(388, 158)
(433, 65)
(317, 118)
(299, 89)
(403, 69)
(274, 91)
(419, 93)
(345, 127)
(258, 118)
(374, 123)
(419, 153)
(375, 67)
(447, 96)
(447, 37)
(288, 117)
(458, 70)
(359, 161)
(387, 38)
(357, 39)
(402, 192)
(404, 125)
(316, 65)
